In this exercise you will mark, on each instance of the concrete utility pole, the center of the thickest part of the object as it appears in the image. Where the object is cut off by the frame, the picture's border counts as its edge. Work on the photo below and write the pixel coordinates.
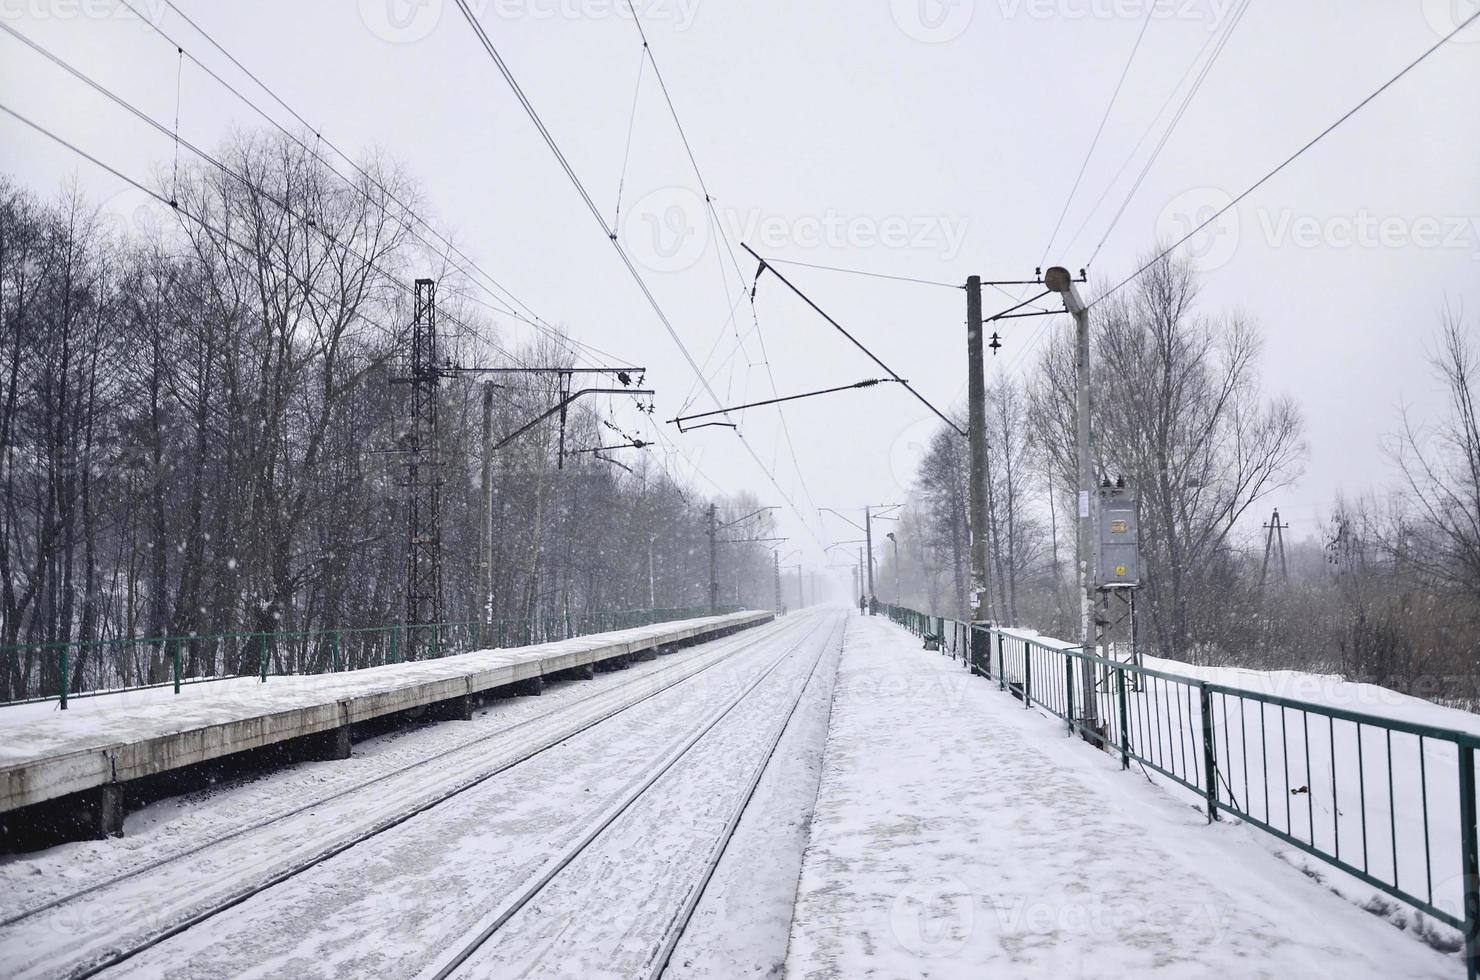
(976, 429)
(652, 581)
(713, 581)
(868, 534)
(485, 530)
(776, 557)
(895, 541)
(1059, 280)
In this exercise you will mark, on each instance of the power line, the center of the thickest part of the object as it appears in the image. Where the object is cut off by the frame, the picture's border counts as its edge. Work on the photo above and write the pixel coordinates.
(175, 206)
(1202, 75)
(1221, 42)
(506, 307)
(246, 182)
(631, 126)
(722, 237)
(632, 270)
(1150, 126)
(1150, 10)
(856, 343)
(861, 272)
(1289, 160)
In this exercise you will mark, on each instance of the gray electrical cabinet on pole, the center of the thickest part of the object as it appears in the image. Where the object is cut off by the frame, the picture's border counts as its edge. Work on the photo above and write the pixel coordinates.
(1120, 544)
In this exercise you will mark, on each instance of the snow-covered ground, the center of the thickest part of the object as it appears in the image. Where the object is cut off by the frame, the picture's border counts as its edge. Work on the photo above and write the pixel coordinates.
(392, 904)
(171, 827)
(1385, 803)
(35, 731)
(741, 925)
(958, 835)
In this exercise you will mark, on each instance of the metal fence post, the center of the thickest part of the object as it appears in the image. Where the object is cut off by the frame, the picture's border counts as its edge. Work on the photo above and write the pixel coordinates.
(1210, 763)
(176, 663)
(262, 657)
(1125, 733)
(1069, 690)
(1001, 662)
(1470, 858)
(67, 670)
(1027, 677)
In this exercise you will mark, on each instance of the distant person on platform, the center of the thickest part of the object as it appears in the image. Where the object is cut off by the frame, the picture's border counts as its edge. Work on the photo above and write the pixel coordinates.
(862, 605)
(873, 605)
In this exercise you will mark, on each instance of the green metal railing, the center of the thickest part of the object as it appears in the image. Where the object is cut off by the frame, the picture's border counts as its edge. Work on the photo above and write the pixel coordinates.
(61, 671)
(1389, 802)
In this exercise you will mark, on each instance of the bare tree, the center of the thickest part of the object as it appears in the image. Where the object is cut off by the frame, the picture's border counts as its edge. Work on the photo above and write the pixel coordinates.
(1440, 469)
(1180, 414)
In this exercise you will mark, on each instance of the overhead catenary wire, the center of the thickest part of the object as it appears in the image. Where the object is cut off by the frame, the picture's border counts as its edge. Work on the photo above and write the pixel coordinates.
(1099, 130)
(862, 272)
(1150, 127)
(1220, 41)
(508, 300)
(855, 341)
(242, 179)
(631, 127)
(492, 51)
(866, 383)
(1288, 160)
(718, 227)
(173, 202)
(1197, 83)
(176, 207)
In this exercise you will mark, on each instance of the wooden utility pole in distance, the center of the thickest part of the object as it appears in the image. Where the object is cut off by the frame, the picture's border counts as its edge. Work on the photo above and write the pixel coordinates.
(776, 557)
(976, 430)
(485, 530)
(713, 581)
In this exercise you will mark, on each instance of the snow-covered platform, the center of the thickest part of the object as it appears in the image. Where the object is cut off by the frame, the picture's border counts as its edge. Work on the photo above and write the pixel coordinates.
(957, 834)
(118, 738)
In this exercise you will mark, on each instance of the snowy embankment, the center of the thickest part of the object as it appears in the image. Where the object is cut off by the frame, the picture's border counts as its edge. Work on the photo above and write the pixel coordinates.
(1384, 801)
(956, 834)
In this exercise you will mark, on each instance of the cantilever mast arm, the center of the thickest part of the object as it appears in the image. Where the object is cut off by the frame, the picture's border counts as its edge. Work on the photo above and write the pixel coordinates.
(564, 403)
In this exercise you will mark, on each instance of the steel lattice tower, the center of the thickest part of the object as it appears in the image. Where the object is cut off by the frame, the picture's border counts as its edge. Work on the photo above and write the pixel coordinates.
(423, 474)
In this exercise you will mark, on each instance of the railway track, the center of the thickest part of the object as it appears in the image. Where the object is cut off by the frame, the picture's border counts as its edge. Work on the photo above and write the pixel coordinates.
(462, 960)
(578, 717)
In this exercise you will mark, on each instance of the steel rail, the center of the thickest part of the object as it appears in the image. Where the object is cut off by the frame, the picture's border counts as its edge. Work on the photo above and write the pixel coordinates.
(511, 906)
(681, 922)
(117, 957)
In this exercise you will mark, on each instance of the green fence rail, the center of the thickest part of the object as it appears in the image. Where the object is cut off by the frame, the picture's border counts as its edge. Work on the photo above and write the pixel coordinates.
(60, 671)
(1389, 802)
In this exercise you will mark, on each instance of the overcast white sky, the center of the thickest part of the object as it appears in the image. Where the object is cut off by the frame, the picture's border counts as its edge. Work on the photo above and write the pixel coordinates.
(907, 137)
